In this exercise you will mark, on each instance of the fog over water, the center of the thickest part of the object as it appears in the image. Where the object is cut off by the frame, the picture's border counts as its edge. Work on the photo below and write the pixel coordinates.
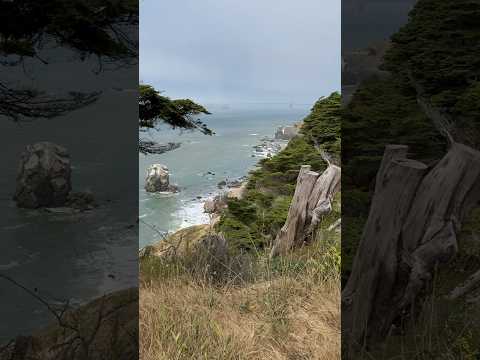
(226, 51)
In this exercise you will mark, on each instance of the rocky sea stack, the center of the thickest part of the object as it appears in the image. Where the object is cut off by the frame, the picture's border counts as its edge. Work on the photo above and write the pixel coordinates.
(44, 181)
(44, 176)
(158, 179)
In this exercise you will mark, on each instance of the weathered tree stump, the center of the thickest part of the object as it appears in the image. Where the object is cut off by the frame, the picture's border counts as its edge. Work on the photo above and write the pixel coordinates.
(312, 199)
(414, 217)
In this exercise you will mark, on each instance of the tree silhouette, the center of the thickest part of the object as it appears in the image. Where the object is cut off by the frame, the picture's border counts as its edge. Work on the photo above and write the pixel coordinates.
(91, 28)
(155, 108)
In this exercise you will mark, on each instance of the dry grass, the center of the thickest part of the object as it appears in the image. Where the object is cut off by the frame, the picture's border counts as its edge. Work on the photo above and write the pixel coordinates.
(288, 309)
(277, 320)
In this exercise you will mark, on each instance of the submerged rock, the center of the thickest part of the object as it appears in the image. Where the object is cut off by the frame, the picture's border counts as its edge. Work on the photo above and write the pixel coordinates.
(158, 179)
(44, 176)
(81, 200)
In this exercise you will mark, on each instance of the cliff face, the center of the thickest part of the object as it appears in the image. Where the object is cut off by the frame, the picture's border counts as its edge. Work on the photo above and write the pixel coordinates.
(254, 221)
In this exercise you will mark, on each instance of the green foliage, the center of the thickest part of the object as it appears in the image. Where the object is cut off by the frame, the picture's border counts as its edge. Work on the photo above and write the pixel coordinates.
(252, 223)
(243, 210)
(384, 112)
(299, 151)
(154, 108)
(439, 47)
(239, 235)
(322, 126)
(437, 53)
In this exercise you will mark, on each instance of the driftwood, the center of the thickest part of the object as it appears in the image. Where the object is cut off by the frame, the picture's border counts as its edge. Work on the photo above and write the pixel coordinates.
(415, 215)
(312, 200)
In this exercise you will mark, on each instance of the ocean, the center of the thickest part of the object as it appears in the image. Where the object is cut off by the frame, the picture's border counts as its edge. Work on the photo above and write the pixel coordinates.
(71, 257)
(203, 161)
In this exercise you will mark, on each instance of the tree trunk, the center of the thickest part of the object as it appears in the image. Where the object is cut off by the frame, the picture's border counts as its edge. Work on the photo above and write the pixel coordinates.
(412, 226)
(312, 199)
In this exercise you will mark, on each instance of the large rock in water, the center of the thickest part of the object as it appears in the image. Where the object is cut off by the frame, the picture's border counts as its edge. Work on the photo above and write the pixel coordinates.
(44, 176)
(158, 179)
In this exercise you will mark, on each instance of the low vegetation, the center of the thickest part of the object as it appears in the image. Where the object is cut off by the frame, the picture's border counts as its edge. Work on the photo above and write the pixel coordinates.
(287, 308)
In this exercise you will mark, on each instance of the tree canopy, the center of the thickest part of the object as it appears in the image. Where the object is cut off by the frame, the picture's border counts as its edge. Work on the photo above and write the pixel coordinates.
(438, 50)
(155, 109)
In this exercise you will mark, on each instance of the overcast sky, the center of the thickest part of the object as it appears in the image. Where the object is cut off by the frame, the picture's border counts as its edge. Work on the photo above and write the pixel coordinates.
(228, 51)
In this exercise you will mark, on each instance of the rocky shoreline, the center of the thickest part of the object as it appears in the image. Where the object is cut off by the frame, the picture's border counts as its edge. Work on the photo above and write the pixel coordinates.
(215, 202)
(235, 188)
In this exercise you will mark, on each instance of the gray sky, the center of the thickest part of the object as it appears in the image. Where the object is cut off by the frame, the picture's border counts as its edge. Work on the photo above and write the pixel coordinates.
(228, 51)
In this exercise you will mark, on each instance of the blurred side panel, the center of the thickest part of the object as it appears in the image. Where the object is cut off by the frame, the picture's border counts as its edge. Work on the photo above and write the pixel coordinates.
(68, 198)
(410, 185)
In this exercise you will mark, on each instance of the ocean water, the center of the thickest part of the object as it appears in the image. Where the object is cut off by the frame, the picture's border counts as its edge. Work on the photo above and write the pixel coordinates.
(72, 257)
(226, 155)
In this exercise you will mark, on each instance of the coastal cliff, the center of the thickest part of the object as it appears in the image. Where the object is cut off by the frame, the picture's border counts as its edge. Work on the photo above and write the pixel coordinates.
(218, 290)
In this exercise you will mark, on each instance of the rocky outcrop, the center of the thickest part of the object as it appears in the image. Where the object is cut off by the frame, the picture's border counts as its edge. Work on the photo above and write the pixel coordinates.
(215, 205)
(105, 328)
(158, 179)
(194, 241)
(234, 183)
(286, 132)
(44, 176)
(237, 192)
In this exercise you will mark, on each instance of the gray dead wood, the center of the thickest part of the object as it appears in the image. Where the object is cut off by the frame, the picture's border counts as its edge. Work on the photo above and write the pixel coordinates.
(415, 216)
(312, 200)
